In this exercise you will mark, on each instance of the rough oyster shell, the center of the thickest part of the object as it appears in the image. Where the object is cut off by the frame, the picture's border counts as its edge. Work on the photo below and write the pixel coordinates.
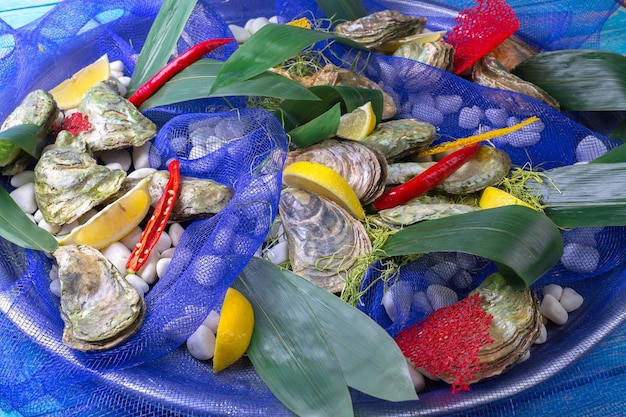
(513, 51)
(68, 183)
(364, 168)
(99, 307)
(323, 239)
(397, 139)
(420, 209)
(115, 122)
(381, 27)
(437, 54)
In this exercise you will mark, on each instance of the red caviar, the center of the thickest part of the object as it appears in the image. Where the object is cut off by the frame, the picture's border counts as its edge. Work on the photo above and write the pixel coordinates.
(76, 123)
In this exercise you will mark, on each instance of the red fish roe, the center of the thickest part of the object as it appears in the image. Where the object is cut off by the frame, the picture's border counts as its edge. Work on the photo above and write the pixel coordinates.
(76, 123)
(448, 341)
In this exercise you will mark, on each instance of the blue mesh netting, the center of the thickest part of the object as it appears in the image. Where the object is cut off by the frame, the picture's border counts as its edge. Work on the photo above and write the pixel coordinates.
(150, 374)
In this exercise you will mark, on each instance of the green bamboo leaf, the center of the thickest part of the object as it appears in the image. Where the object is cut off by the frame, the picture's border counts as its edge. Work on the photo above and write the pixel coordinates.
(29, 137)
(317, 129)
(197, 80)
(522, 242)
(620, 132)
(617, 154)
(342, 9)
(584, 195)
(580, 79)
(289, 349)
(16, 227)
(161, 41)
(369, 358)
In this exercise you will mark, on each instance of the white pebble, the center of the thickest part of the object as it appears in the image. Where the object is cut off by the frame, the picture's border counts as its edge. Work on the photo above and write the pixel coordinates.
(273, 19)
(421, 303)
(278, 253)
(161, 266)
(469, 117)
(131, 239)
(445, 270)
(257, 24)
(125, 81)
(52, 228)
(54, 272)
(67, 228)
(497, 117)
(168, 253)
(115, 166)
(114, 75)
(589, 148)
(553, 310)
(462, 280)
(448, 103)
(117, 253)
(116, 65)
(175, 231)
(22, 178)
(198, 151)
(526, 356)
(201, 343)
(543, 335)
(120, 156)
(212, 321)
(240, 34)
(141, 173)
(139, 284)
(55, 287)
(579, 258)
(417, 378)
(522, 138)
(38, 216)
(148, 271)
(164, 242)
(554, 290)
(441, 296)
(570, 300)
(427, 114)
(248, 24)
(24, 196)
(141, 156)
(397, 300)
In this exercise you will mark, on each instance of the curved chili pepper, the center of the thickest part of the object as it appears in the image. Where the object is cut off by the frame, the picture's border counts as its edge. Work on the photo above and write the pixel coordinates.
(427, 180)
(157, 222)
(173, 67)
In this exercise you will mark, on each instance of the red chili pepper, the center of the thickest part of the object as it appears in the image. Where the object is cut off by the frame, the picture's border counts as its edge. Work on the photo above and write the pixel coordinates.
(173, 67)
(427, 180)
(157, 222)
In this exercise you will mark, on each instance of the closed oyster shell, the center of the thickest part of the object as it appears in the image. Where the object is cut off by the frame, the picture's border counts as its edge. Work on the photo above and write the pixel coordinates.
(68, 183)
(323, 239)
(378, 28)
(513, 51)
(364, 168)
(420, 209)
(115, 122)
(99, 307)
(437, 54)
(397, 139)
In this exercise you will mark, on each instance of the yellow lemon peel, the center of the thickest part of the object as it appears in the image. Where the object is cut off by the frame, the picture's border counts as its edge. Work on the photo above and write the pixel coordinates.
(234, 330)
(69, 93)
(358, 123)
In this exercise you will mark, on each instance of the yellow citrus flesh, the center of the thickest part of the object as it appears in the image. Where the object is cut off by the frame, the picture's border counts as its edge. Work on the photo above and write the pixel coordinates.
(358, 123)
(234, 330)
(70, 92)
(494, 197)
(324, 181)
(392, 46)
(114, 221)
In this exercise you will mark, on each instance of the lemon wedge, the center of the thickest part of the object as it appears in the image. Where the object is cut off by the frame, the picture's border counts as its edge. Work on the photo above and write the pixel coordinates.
(114, 221)
(391, 47)
(70, 92)
(234, 330)
(494, 197)
(324, 181)
(358, 123)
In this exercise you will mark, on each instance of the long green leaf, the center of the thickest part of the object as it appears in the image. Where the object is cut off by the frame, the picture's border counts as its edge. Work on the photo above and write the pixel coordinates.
(30, 138)
(620, 132)
(289, 349)
(369, 358)
(317, 129)
(580, 79)
(523, 243)
(342, 9)
(584, 195)
(161, 41)
(197, 80)
(617, 154)
(16, 227)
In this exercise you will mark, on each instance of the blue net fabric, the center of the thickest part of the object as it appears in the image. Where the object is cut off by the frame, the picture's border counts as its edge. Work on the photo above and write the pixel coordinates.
(151, 374)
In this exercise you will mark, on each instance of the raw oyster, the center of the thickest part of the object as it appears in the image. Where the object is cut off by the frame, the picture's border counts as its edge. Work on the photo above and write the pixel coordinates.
(437, 54)
(69, 182)
(490, 73)
(420, 209)
(378, 28)
(323, 239)
(364, 168)
(115, 122)
(488, 167)
(99, 307)
(396, 139)
(38, 108)
(512, 52)
(515, 326)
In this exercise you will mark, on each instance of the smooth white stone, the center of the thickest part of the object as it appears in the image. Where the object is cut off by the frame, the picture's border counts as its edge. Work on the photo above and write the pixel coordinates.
(167, 253)
(24, 196)
(164, 242)
(257, 24)
(131, 239)
(161, 266)
(526, 356)
(212, 320)
(148, 271)
(116, 65)
(121, 156)
(201, 343)
(240, 34)
(139, 284)
(553, 310)
(427, 114)
(579, 258)
(543, 335)
(417, 378)
(590, 148)
(397, 300)
(462, 280)
(141, 156)
(55, 287)
(427, 374)
(175, 231)
(198, 151)
(117, 253)
(67, 228)
(52, 228)
(554, 290)
(469, 117)
(273, 19)
(445, 270)
(440, 296)
(124, 80)
(570, 300)
(141, 173)
(249, 23)
(448, 103)
(54, 272)
(22, 178)
(115, 166)
(497, 117)
(38, 216)
(421, 303)
(278, 253)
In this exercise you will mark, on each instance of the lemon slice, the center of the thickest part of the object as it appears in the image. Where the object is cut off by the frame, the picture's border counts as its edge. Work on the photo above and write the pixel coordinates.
(391, 47)
(234, 330)
(70, 92)
(114, 221)
(324, 181)
(358, 123)
(494, 197)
